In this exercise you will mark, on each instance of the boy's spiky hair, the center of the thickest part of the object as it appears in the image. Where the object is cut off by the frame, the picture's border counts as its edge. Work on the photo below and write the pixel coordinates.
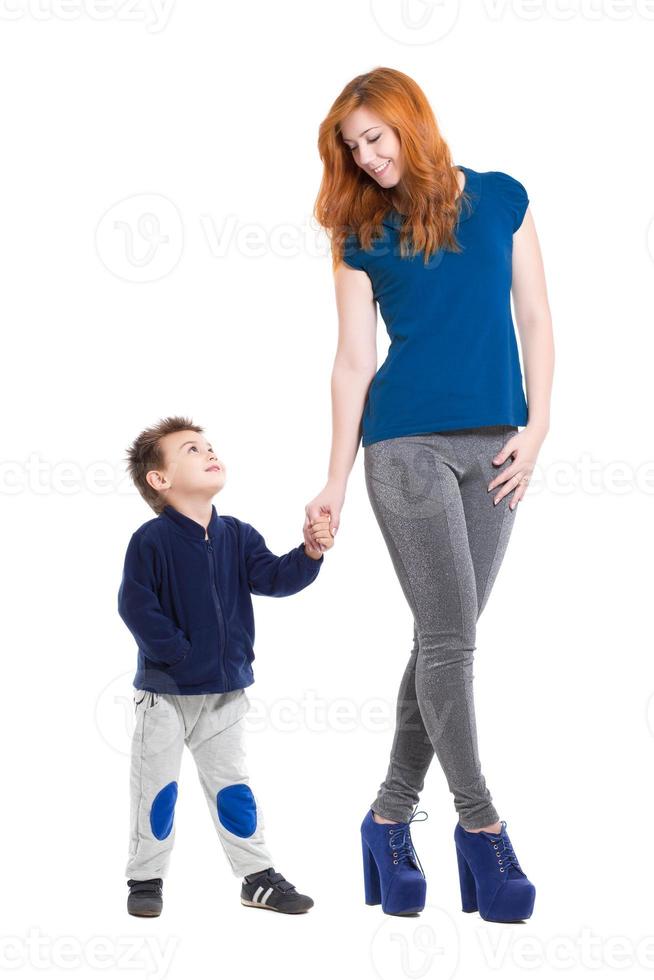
(146, 454)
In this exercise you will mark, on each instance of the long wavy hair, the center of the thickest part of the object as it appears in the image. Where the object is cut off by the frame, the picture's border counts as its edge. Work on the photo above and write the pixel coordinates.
(351, 201)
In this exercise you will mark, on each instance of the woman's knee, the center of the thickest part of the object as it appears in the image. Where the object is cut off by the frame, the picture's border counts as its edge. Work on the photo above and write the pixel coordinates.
(447, 648)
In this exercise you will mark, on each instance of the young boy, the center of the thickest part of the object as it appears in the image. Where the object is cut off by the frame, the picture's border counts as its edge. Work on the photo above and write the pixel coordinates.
(185, 595)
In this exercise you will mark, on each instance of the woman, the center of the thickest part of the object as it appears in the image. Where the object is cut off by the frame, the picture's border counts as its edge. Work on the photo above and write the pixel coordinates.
(439, 248)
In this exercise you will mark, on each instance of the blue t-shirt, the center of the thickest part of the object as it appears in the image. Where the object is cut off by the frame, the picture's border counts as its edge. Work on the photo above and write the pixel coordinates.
(453, 358)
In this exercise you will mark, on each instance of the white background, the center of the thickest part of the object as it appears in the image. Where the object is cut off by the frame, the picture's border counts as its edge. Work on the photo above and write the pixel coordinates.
(214, 110)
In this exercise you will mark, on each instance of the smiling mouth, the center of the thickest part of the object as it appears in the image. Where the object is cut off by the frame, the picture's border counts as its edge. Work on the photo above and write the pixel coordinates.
(382, 167)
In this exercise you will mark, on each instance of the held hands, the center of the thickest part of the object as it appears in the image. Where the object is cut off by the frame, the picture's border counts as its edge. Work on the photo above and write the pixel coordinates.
(322, 534)
(326, 506)
(523, 447)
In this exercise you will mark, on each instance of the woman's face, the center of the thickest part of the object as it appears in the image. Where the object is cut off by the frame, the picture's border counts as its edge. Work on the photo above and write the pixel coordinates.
(374, 146)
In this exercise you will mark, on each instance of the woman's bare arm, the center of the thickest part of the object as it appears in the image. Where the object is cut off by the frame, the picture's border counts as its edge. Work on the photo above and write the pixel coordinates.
(355, 364)
(534, 322)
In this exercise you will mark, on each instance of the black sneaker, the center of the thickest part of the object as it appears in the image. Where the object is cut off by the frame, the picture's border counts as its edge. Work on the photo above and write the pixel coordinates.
(145, 897)
(270, 890)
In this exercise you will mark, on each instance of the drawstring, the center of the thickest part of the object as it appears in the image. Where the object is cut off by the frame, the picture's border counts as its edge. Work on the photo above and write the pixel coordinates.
(400, 843)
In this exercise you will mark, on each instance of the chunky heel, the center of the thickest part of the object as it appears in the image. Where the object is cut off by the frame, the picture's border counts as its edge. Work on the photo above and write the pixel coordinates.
(492, 881)
(467, 883)
(370, 877)
(392, 874)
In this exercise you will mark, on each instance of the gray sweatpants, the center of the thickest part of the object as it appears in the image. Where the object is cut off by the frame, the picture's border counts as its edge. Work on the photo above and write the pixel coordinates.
(212, 727)
(446, 540)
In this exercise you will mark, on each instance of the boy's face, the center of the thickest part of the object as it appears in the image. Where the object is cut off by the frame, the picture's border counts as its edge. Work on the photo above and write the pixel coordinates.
(191, 467)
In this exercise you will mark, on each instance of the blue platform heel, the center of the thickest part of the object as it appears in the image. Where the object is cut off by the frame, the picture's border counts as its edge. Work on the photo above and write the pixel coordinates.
(392, 873)
(491, 879)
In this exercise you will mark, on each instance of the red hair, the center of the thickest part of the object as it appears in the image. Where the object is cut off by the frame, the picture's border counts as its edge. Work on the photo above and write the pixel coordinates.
(351, 201)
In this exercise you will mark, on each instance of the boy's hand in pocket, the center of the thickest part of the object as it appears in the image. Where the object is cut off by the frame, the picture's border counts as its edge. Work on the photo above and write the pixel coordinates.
(321, 533)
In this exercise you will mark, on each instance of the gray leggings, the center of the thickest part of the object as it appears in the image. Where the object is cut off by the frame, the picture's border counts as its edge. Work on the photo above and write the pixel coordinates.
(446, 540)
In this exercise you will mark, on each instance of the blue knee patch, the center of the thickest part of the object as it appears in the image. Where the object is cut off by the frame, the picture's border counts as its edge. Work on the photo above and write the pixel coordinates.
(162, 811)
(237, 809)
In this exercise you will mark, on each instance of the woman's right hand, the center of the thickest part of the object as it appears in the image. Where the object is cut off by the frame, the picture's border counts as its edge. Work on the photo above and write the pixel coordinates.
(329, 501)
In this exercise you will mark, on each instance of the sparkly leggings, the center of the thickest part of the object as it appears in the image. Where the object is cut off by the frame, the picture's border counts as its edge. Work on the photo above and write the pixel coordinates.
(446, 540)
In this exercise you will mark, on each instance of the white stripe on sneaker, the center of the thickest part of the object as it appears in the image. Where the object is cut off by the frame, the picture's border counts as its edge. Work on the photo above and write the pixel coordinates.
(266, 896)
(257, 893)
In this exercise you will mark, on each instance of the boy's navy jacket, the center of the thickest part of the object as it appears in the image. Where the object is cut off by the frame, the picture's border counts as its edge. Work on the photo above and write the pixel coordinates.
(187, 600)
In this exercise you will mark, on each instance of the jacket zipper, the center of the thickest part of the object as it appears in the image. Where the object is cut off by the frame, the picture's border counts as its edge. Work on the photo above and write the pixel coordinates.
(219, 612)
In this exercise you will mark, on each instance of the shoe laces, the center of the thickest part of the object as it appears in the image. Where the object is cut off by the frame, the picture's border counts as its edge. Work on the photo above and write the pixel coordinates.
(400, 843)
(506, 856)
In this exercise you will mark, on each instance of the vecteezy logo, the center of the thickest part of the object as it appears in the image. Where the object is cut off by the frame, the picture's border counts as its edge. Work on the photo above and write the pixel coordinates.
(415, 21)
(140, 239)
(412, 949)
(114, 713)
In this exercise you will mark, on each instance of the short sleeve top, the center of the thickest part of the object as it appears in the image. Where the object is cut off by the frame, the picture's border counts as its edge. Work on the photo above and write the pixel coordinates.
(453, 358)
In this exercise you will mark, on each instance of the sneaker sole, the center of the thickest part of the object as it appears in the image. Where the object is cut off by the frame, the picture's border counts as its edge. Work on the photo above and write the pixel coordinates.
(271, 908)
(145, 915)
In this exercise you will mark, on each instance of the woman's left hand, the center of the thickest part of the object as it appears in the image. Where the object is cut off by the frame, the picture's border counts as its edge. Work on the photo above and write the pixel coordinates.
(524, 447)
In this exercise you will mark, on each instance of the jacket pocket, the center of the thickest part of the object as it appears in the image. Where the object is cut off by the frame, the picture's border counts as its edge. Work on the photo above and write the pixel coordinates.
(203, 661)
